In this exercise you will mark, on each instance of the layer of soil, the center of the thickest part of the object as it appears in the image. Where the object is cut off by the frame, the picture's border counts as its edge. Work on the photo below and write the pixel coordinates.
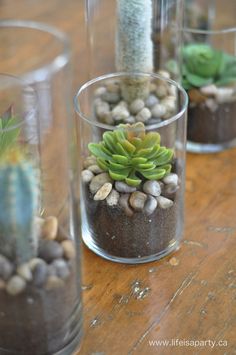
(205, 126)
(39, 321)
(132, 237)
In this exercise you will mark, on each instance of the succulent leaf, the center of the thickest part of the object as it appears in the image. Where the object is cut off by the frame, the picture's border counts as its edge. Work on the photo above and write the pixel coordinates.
(125, 160)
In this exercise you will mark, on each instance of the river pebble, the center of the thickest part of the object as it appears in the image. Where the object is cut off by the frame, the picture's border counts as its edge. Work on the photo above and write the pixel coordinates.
(50, 228)
(136, 106)
(152, 187)
(62, 269)
(95, 169)
(15, 285)
(150, 205)
(113, 198)
(24, 271)
(151, 101)
(87, 176)
(121, 186)
(158, 110)
(69, 250)
(120, 113)
(40, 273)
(171, 179)
(103, 192)
(98, 181)
(143, 115)
(50, 250)
(137, 200)
(124, 203)
(164, 202)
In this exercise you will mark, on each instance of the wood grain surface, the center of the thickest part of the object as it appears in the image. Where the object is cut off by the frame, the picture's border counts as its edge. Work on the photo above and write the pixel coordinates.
(190, 295)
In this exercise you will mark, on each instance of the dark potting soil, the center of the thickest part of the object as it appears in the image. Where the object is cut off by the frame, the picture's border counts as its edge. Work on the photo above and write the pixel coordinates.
(131, 237)
(205, 126)
(39, 321)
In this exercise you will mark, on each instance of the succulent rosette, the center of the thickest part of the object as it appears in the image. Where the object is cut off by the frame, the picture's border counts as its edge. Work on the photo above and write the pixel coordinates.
(204, 65)
(130, 154)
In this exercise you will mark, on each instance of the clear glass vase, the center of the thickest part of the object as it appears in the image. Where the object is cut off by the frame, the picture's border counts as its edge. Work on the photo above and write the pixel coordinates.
(209, 76)
(134, 36)
(40, 287)
(132, 190)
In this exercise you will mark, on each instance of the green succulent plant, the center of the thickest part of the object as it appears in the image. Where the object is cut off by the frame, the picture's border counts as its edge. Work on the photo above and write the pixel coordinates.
(130, 154)
(204, 65)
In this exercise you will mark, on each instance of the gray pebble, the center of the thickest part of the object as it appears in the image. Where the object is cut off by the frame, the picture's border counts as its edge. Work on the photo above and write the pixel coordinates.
(158, 111)
(61, 267)
(113, 86)
(124, 203)
(101, 109)
(161, 91)
(150, 205)
(171, 179)
(169, 191)
(40, 274)
(164, 73)
(120, 113)
(24, 271)
(87, 176)
(136, 106)
(111, 97)
(152, 187)
(121, 186)
(95, 169)
(35, 261)
(170, 103)
(143, 115)
(15, 285)
(137, 200)
(103, 192)
(151, 101)
(98, 181)
(100, 91)
(91, 160)
(123, 104)
(107, 118)
(50, 250)
(164, 202)
(6, 268)
(54, 282)
(113, 198)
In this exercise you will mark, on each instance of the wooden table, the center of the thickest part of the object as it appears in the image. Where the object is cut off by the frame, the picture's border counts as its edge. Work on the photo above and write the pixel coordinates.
(190, 295)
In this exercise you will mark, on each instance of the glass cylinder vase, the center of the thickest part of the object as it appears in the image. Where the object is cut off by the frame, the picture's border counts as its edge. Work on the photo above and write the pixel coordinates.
(209, 76)
(40, 287)
(132, 190)
(134, 36)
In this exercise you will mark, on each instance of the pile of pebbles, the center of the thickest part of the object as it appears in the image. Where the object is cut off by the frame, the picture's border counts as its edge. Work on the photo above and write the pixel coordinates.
(212, 96)
(146, 198)
(110, 108)
(49, 269)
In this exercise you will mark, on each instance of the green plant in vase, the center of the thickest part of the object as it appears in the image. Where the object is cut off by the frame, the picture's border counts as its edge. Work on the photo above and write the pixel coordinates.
(134, 183)
(19, 194)
(209, 76)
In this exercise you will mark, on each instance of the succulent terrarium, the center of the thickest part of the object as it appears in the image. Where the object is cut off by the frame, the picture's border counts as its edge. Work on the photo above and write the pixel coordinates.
(209, 76)
(38, 254)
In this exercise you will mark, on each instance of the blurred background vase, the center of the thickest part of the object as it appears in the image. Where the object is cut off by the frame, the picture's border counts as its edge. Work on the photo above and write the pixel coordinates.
(209, 76)
(40, 288)
(138, 36)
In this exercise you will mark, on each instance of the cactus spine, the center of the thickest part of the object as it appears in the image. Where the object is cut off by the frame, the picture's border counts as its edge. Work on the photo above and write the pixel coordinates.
(134, 48)
(18, 205)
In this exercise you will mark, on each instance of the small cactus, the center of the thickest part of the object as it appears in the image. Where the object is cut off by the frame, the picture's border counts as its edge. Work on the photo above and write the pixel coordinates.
(130, 154)
(18, 205)
(134, 48)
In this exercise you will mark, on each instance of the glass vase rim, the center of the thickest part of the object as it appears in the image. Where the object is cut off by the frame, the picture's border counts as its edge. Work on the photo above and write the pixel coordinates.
(22, 82)
(224, 30)
(59, 61)
(95, 80)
